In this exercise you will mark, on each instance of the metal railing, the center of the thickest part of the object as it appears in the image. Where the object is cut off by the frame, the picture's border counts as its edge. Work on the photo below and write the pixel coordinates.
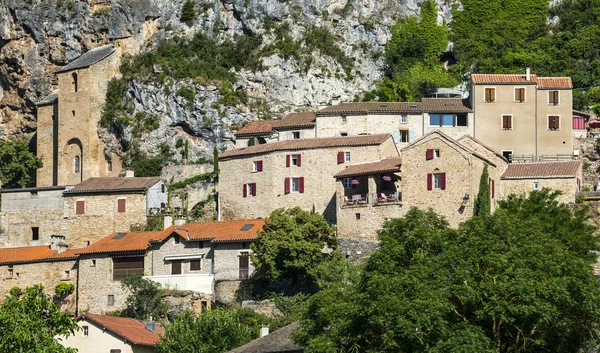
(542, 158)
(354, 200)
(387, 198)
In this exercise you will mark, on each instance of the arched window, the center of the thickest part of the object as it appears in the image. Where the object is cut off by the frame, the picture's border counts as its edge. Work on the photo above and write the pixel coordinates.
(74, 76)
(77, 164)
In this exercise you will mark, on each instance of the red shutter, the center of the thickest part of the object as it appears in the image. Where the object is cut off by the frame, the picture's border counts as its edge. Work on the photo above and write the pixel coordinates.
(286, 185)
(253, 189)
(340, 157)
(299, 160)
(245, 191)
(429, 181)
(493, 189)
(121, 205)
(259, 166)
(429, 154)
(80, 207)
(443, 181)
(301, 185)
(287, 160)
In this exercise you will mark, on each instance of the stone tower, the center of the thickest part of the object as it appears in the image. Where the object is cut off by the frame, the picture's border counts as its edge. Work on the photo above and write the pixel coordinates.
(67, 131)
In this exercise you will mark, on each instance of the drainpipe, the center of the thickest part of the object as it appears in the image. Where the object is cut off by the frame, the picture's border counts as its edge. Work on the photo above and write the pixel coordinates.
(472, 98)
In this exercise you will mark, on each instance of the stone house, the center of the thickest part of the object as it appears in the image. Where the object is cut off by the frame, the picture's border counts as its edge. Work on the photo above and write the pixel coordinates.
(525, 116)
(293, 126)
(67, 122)
(102, 334)
(522, 178)
(82, 213)
(184, 257)
(259, 179)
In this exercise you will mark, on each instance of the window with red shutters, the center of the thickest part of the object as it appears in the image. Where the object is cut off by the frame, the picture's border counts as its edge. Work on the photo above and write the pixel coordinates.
(259, 166)
(429, 154)
(121, 204)
(245, 190)
(429, 181)
(301, 189)
(443, 181)
(80, 207)
(286, 185)
(341, 157)
(253, 188)
(299, 160)
(287, 160)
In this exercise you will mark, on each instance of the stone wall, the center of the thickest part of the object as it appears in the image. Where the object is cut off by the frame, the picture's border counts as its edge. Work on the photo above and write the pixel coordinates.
(357, 250)
(155, 264)
(318, 167)
(568, 186)
(176, 173)
(49, 274)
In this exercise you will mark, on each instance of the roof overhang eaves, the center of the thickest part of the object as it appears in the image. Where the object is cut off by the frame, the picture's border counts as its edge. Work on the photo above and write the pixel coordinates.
(540, 177)
(288, 127)
(299, 149)
(120, 252)
(241, 240)
(395, 170)
(254, 134)
(107, 191)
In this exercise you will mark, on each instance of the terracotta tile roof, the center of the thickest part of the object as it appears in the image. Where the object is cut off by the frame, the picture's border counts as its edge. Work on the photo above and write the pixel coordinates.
(388, 165)
(555, 83)
(126, 328)
(257, 128)
(579, 112)
(88, 58)
(113, 184)
(542, 170)
(222, 231)
(293, 120)
(477, 141)
(28, 254)
(68, 254)
(431, 105)
(306, 144)
(503, 79)
(123, 242)
(276, 342)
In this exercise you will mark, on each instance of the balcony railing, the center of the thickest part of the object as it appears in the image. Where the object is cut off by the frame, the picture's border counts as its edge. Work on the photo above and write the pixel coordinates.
(387, 198)
(354, 200)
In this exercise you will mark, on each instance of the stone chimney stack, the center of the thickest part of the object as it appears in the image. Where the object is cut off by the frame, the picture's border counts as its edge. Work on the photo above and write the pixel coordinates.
(129, 173)
(179, 221)
(528, 74)
(168, 221)
(58, 243)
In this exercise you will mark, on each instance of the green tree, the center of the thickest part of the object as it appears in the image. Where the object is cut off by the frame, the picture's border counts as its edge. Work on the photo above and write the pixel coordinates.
(520, 280)
(145, 298)
(211, 331)
(483, 200)
(290, 247)
(17, 163)
(29, 322)
(146, 167)
(188, 14)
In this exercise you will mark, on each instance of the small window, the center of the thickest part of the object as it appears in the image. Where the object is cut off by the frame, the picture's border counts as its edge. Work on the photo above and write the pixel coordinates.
(553, 122)
(73, 112)
(195, 265)
(437, 181)
(403, 119)
(553, 97)
(121, 205)
(519, 95)
(251, 189)
(347, 156)
(109, 165)
(163, 189)
(536, 186)
(294, 159)
(177, 240)
(80, 207)
(507, 155)
(461, 120)
(436, 153)
(10, 271)
(257, 166)
(74, 81)
(490, 95)
(447, 120)
(86, 330)
(35, 233)
(357, 216)
(403, 136)
(343, 134)
(67, 274)
(296, 135)
(507, 122)
(93, 263)
(77, 164)
(347, 183)
(295, 184)
(110, 300)
(115, 351)
(343, 119)
(434, 120)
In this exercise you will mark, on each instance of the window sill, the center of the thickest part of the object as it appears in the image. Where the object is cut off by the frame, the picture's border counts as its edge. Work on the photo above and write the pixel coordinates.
(489, 101)
(65, 279)
(503, 129)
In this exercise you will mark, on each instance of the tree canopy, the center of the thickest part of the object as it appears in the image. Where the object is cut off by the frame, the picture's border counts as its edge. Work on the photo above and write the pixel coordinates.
(483, 200)
(29, 322)
(518, 280)
(16, 164)
(144, 300)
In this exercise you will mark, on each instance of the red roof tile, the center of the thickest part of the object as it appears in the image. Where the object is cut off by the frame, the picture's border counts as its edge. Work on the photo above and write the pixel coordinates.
(388, 165)
(113, 184)
(26, 254)
(121, 242)
(223, 231)
(542, 170)
(126, 328)
(257, 128)
(503, 79)
(555, 83)
(306, 144)
(293, 120)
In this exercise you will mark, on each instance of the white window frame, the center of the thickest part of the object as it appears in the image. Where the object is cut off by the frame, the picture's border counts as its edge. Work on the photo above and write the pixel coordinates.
(512, 122)
(294, 160)
(436, 153)
(255, 166)
(344, 119)
(524, 94)
(536, 185)
(108, 297)
(548, 97)
(548, 122)
(403, 118)
(295, 185)
(495, 90)
(86, 330)
(437, 181)
(400, 137)
(347, 182)
(249, 189)
(346, 157)
(295, 135)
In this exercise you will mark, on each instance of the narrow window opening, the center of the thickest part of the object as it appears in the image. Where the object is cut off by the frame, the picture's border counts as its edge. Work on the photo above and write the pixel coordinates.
(35, 233)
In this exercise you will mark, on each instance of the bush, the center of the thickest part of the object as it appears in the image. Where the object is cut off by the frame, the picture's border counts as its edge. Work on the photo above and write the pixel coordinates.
(188, 14)
(63, 289)
(145, 299)
(147, 167)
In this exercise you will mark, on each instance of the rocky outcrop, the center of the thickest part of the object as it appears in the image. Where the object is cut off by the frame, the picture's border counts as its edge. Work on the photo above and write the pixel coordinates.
(39, 36)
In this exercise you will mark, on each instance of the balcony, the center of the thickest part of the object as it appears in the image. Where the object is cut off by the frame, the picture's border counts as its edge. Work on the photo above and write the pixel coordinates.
(387, 199)
(202, 283)
(354, 200)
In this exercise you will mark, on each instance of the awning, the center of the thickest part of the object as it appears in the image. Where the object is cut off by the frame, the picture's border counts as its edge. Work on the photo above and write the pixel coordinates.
(184, 257)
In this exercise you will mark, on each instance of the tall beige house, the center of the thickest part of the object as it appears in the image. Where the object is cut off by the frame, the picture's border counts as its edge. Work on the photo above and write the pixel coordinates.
(67, 131)
(523, 115)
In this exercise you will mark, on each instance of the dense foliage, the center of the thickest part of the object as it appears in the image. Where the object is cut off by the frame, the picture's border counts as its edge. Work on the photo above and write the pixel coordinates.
(29, 322)
(211, 331)
(17, 164)
(146, 167)
(144, 300)
(520, 280)
(483, 201)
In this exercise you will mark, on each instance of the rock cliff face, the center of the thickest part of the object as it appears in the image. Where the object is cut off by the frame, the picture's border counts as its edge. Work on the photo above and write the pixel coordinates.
(39, 36)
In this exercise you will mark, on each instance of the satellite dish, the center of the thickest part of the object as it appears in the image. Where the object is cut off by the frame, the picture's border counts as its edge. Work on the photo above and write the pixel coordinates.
(465, 94)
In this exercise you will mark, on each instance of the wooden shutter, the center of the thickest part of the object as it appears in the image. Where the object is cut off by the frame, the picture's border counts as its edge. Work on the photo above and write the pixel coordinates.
(506, 122)
(520, 94)
(286, 185)
(429, 181)
(287, 160)
(175, 267)
(195, 265)
(553, 97)
(340, 157)
(443, 181)
(244, 190)
(121, 205)
(488, 95)
(493, 189)
(553, 122)
(492, 94)
(253, 189)
(299, 156)
(244, 265)
(80, 207)
(301, 187)
(259, 166)
(429, 154)
(125, 266)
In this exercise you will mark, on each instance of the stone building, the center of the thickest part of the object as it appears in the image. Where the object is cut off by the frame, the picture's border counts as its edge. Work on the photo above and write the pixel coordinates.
(67, 122)
(259, 179)
(523, 115)
(82, 213)
(293, 126)
(188, 256)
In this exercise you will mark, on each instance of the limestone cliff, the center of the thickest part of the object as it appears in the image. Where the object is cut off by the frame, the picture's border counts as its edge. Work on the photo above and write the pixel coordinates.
(39, 36)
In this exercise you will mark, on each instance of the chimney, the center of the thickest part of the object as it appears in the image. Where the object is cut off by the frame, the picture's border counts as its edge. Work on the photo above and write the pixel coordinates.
(168, 220)
(129, 173)
(58, 243)
(264, 331)
(335, 100)
(150, 325)
(179, 221)
(528, 74)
